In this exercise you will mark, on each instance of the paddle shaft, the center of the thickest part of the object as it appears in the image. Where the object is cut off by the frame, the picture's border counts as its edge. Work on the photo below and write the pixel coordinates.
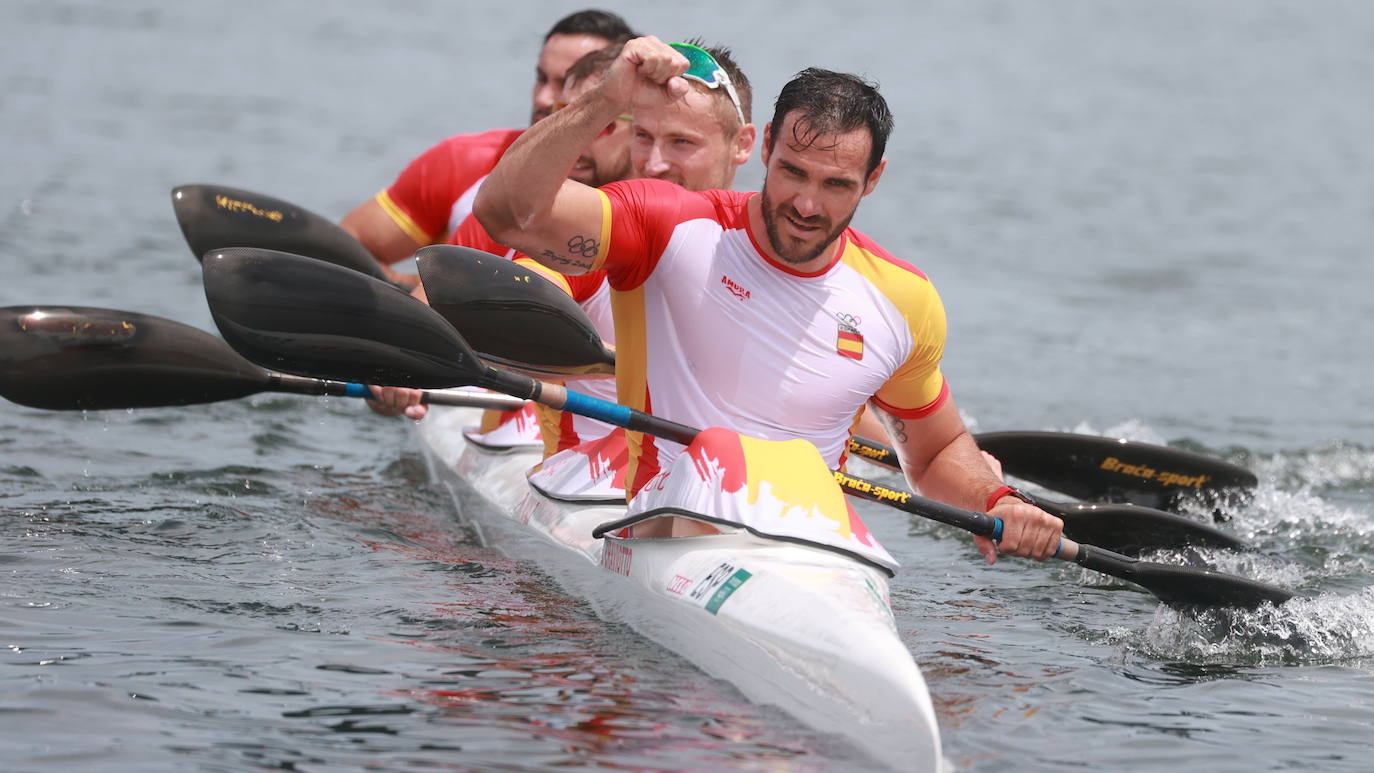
(981, 524)
(281, 382)
(1125, 528)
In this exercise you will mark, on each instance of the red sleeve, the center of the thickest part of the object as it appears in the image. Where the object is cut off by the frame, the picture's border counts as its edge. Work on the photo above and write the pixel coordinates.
(421, 199)
(643, 214)
(584, 286)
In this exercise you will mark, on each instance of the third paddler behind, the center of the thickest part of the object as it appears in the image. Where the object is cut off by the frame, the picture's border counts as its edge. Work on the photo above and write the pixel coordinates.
(762, 313)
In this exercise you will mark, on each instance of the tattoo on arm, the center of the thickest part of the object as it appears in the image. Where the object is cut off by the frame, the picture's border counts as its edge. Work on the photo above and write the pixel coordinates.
(558, 260)
(584, 246)
(898, 429)
(582, 252)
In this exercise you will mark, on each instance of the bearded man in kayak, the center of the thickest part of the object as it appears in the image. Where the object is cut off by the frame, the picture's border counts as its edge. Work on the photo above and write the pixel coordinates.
(762, 313)
(433, 195)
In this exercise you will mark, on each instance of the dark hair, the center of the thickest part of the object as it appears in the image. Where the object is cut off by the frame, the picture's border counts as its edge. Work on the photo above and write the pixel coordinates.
(833, 103)
(601, 24)
(593, 63)
(725, 57)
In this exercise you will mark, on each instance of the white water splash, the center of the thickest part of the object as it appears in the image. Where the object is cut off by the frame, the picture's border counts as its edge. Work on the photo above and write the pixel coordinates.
(1336, 463)
(1324, 629)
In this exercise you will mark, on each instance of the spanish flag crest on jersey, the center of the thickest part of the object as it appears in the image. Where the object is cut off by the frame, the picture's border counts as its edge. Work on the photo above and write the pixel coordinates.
(849, 342)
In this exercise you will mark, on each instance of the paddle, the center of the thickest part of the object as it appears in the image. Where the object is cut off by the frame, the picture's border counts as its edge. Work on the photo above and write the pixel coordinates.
(309, 317)
(82, 358)
(215, 216)
(515, 316)
(1128, 529)
(1090, 467)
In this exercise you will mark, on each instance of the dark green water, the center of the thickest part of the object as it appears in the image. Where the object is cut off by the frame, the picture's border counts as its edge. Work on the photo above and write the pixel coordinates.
(1145, 218)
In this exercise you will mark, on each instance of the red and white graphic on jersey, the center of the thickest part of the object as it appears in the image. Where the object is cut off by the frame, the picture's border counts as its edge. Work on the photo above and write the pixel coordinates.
(711, 332)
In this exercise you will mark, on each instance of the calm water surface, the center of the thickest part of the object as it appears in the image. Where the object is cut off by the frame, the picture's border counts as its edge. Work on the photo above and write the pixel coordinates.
(1146, 218)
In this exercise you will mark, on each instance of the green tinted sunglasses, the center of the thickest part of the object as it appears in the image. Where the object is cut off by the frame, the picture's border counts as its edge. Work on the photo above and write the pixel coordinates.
(703, 68)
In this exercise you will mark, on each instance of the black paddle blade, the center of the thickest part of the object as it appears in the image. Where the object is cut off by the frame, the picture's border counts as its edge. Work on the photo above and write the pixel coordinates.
(1132, 530)
(215, 216)
(82, 358)
(1091, 467)
(511, 314)
(304, 316)
(1183, 586)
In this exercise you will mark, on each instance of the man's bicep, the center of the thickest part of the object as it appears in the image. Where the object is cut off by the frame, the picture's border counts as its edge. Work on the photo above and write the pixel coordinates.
(574, 237)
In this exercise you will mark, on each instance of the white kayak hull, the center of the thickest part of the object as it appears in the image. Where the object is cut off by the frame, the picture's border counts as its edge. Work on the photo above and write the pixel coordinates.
(806, 629)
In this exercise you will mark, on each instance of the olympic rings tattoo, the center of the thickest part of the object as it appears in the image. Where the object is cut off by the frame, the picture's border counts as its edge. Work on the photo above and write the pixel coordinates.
(583, 246)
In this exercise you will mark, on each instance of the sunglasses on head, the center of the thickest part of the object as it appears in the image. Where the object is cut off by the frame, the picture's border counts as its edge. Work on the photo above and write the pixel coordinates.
(703, 68)
(606, 132)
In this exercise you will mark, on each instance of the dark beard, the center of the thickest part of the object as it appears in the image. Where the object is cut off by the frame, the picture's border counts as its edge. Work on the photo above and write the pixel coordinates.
(770, 224)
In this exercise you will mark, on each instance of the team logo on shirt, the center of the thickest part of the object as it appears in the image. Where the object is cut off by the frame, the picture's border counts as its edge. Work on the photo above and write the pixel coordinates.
(734, 287)
(849, 342)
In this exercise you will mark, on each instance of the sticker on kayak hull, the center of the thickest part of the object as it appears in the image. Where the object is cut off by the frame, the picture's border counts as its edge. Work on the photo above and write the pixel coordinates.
(718, 586)
(617, 557)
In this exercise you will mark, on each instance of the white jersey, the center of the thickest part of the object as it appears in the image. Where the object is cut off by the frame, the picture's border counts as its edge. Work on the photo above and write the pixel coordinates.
(711, 332)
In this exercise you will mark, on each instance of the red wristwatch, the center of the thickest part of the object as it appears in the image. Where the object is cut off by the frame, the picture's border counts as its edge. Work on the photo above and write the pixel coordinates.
(1005, 491)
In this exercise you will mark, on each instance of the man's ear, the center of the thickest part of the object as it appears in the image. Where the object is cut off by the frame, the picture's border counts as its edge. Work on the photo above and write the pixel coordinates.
(873, 176)
(767, 141)
(744, 143)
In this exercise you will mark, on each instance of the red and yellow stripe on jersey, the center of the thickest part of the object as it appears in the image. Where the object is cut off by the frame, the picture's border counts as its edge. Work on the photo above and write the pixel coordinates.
(711, 332)
(433, 195)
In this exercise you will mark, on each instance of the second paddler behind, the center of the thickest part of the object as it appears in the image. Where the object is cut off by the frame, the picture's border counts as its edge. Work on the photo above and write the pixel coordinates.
(762, 313)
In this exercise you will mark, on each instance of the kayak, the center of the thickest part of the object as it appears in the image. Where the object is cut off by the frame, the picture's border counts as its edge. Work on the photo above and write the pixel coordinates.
(806, 629)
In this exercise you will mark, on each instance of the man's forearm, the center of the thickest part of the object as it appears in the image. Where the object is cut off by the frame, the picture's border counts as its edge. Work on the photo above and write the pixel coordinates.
(516, 201)
(940, 458)
(958, 475)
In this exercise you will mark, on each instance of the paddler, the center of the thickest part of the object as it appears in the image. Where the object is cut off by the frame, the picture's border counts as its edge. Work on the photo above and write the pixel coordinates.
(764, 313)
(698, 142)
(433, 194)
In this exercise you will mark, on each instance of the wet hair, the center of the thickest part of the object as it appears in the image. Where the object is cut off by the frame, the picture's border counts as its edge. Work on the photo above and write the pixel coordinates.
(593, 64)
(602, 24)
(832, 103)
(725, 57)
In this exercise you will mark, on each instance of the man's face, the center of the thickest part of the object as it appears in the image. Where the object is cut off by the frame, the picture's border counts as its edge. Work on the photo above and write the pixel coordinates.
(607, 158)
(683, 141)
(557, 55)
(810, 193)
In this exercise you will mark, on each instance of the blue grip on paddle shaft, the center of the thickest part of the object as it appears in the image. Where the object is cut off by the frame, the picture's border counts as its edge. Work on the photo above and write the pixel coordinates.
(357, 390)
(596, 408)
